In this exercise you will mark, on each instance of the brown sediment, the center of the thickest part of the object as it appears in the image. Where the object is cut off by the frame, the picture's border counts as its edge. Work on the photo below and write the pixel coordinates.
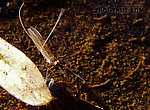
(98, 46)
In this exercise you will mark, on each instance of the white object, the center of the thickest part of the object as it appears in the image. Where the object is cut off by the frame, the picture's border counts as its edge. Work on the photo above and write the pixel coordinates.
(20, 76)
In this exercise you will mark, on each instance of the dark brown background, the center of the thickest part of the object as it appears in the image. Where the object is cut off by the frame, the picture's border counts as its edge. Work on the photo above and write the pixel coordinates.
(100, 47)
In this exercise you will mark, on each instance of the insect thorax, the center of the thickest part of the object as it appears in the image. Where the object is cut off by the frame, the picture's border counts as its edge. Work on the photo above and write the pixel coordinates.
(53, 61)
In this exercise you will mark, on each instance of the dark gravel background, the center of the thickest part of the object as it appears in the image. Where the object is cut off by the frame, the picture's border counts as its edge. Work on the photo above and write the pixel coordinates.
(110, 50)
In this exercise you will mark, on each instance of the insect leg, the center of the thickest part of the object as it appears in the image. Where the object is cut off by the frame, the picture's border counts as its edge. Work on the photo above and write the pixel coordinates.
(51, 83)
(76, 75)
(74, 72)
(47, 75)
(61, 71)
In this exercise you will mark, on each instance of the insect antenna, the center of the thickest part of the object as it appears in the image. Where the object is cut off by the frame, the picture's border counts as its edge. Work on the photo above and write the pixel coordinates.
(60, 14)
(21, 20)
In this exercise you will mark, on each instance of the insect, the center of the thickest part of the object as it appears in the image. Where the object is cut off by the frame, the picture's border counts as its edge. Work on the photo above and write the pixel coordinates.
(20, 76)
(41, 44)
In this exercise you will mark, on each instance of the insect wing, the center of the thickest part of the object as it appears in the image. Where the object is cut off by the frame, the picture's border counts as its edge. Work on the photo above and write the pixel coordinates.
(36, 38)
(38, 41)
(20, 77)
